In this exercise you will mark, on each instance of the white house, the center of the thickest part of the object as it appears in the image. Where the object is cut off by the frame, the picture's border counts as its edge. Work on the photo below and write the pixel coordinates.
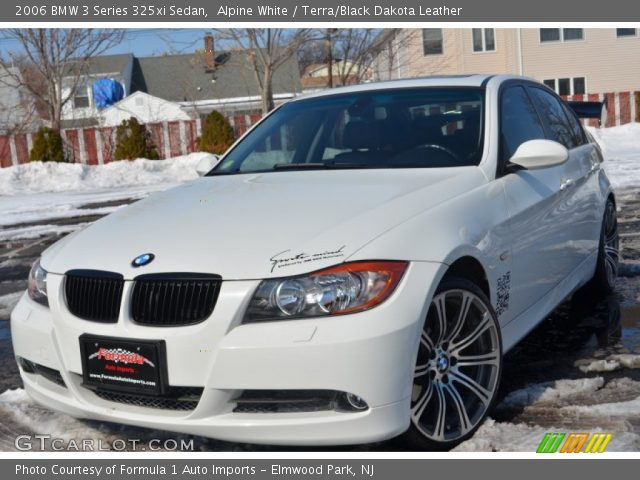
(144, 107)
(81, 110)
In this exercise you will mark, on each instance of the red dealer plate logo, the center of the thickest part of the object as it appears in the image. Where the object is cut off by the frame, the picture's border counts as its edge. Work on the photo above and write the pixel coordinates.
(135, 366)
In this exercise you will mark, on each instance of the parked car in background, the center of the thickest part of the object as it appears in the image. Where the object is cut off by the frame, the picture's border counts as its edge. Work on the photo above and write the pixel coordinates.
(353, 269)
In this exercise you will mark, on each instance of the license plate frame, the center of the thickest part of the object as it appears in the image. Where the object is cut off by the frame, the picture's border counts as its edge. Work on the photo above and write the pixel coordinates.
(124, 364)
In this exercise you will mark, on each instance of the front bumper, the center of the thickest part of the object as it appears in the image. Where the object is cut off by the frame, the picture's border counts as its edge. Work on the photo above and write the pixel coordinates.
(370, 354)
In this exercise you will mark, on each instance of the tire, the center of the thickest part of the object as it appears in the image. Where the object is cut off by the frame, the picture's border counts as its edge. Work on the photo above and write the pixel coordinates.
(604, 279)
(458, 366)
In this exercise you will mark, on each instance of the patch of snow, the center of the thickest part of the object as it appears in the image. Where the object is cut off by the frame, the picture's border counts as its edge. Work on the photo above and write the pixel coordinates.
(621, 149)
(612, 362)
(21, 415)
(25, 233)
(18, 406)
(504, 437)
(629, 408)
(551, 392)
(604, 365)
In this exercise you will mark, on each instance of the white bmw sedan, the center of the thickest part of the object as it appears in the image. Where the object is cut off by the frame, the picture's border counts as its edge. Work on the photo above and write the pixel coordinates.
(352, 270)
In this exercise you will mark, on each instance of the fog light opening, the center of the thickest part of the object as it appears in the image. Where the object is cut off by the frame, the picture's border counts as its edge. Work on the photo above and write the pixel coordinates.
(356, 402)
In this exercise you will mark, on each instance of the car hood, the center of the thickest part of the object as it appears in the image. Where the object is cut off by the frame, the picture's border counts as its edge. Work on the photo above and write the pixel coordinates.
(251, 226)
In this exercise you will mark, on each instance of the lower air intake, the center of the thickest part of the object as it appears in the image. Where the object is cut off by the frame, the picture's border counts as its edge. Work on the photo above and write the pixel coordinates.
(179, 398)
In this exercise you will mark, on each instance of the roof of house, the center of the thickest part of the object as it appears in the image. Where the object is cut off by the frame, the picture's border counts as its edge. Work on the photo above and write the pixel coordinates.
(105, 64)
(185, 78)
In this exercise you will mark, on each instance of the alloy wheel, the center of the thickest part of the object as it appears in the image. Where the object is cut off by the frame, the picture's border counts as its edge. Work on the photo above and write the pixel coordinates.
(611, 244)
(458, 367)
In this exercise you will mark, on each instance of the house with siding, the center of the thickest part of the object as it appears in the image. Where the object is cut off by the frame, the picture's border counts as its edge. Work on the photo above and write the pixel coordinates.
(581, 63)
(198, 82)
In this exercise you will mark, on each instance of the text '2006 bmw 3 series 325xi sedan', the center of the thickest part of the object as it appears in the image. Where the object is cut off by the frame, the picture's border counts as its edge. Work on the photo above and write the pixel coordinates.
(352, 270)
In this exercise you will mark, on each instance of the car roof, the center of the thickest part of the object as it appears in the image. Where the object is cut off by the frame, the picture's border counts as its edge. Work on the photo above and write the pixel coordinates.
(476, 80)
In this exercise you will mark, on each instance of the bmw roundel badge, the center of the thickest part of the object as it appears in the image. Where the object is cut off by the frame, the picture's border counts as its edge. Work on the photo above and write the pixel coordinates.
(142, 260)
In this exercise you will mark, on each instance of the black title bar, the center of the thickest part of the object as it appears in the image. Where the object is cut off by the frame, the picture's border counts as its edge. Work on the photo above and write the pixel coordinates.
(303, 11)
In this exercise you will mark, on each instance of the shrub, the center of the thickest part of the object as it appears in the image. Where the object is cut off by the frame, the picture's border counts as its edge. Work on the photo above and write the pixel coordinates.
(47, 146)
(134, 141)
(217, 134)
(637, 95)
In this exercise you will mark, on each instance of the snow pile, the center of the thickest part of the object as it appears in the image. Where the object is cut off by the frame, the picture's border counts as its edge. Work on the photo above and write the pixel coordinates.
(41, 177)
(551, 392)
(42, 193)
(621, 148)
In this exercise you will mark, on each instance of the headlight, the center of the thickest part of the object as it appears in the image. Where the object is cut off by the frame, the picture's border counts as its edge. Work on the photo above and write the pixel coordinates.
(347, 288)
(38, 284)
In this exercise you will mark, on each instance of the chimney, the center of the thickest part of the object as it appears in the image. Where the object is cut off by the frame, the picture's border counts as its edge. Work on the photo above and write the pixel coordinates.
(209, 53)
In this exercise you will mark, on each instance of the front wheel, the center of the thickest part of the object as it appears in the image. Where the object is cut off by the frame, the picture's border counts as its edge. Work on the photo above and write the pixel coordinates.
(458, 367)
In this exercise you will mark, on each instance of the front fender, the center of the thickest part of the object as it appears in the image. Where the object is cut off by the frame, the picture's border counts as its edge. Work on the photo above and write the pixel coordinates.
(474, 224)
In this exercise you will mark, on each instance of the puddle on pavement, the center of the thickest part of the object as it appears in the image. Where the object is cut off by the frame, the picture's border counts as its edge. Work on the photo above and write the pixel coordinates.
(630, 326)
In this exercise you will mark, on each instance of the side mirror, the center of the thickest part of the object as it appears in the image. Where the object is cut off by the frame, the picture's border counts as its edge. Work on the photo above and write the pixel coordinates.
(206, 164)
(535, 154)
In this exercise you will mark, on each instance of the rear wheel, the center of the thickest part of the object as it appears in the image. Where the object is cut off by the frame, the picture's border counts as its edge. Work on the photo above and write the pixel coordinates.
(458, 367)
(604, 280)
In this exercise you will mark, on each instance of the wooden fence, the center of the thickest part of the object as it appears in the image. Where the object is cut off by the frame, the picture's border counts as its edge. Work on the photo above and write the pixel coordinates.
(95, 145)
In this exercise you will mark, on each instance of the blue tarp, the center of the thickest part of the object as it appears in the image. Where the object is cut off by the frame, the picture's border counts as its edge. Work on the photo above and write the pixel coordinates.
(106, 92)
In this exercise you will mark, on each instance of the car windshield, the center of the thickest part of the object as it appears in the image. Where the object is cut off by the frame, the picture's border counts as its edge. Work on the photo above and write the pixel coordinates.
(401, 128)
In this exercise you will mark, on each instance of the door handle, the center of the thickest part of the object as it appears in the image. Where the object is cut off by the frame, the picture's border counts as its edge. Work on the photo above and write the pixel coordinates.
(566, 183)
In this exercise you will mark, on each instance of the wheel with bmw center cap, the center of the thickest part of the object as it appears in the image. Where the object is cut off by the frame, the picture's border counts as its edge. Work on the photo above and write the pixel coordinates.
(458, 367)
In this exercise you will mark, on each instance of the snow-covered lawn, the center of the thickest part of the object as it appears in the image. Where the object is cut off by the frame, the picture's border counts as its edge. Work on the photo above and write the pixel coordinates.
(621, 149)
(41, 192)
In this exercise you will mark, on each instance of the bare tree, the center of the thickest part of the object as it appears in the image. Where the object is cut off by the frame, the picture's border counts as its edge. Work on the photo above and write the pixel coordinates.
(354, 50)
(267, 50)
(17, 111)
(311, 53)
(57, 61)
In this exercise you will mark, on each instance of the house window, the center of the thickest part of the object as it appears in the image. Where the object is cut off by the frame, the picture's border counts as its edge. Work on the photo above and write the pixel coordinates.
(560, 34)
(567, 86)
(81, 97)
(432, 41)
(484, 39)
(626, 32)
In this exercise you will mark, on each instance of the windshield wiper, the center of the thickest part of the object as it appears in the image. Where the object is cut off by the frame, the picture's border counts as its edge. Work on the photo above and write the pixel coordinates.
(214, 173)
(318, 166)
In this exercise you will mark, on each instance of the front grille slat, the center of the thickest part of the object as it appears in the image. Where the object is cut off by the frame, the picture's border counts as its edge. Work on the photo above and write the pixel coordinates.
(174, 299)
(94, 295)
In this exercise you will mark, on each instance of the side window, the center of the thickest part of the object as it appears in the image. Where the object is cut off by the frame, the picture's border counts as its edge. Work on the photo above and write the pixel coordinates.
(519, 121)
(579, 137)
(553, 117)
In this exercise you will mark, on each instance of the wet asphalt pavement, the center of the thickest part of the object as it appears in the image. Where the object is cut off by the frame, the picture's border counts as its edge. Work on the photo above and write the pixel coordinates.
(582, 327)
